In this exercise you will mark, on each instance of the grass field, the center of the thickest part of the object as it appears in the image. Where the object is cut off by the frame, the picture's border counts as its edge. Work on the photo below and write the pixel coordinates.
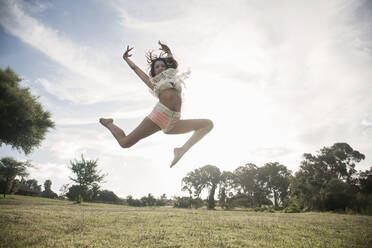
(39, 222)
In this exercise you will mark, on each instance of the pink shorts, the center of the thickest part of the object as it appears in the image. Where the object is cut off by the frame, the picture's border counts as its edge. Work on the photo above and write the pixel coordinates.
(165, 118)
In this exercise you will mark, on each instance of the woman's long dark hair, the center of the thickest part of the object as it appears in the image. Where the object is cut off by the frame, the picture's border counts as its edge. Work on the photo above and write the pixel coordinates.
(169, 62)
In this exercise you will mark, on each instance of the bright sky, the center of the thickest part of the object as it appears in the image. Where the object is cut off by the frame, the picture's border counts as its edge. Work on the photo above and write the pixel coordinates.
(277, 78)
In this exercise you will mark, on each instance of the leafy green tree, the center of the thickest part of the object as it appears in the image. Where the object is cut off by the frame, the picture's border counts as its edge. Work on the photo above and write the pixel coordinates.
(48, 192)
(312, 183)
(79, 193)
(23, 121)
(48, 185)
(275, 178)
(192, 183)
(245, 181)
(29, 187)
(95, 190)
(251, 190)
(149, 200)
(9, 169)
(212, 175)
(86, 175)
(363, 202)
(365, 181)
(63, 191)
(338, 194)
(133, 202)
(206, 177)
(226, 188)
(15, 185)
(162, 201)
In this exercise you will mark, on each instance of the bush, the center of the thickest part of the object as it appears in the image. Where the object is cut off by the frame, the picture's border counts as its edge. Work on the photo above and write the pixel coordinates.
(363, 203)
(294, 205)
(182, 202)
(79, 194)
(49, 194)
(106, 196)
(240, 200)
(197, 203)
(188, 202)
(269, 210)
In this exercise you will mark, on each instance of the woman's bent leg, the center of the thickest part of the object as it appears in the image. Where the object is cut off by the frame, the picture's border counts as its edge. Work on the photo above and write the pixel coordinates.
(146, 128)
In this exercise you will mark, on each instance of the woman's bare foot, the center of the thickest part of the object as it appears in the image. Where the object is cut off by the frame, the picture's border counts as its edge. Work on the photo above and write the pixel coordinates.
(105, 122)
(178, 153)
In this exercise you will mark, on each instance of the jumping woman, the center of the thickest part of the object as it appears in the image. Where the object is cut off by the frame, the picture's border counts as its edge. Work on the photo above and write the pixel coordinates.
(165, 84)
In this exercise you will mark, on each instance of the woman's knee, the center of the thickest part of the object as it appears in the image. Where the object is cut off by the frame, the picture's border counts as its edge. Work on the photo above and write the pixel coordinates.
(209, 124)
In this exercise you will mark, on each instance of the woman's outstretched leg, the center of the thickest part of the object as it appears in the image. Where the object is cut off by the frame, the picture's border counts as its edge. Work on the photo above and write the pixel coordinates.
(144, 129)
(200, 127)
(115, 130)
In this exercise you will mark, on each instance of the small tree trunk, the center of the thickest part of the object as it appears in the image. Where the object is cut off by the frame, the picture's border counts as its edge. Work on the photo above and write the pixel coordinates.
(6, 186)
(211, 203)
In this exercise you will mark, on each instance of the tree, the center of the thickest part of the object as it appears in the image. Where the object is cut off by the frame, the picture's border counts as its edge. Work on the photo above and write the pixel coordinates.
(192, 182)
(365, 181)
(15, 185)
(149, 200)
(106, 196)
(312, 183)
(275, 178)
(47, 185)
(86, 174)
(187, 202)
(338, 194)
(363, 203)
(133, 202)
(225, 189)
(95, 190)
(162, 201)
(23, 121)
(63, 191)
(9, 169)
(206, 177)
(249, 186)
(29, 187)
(79, 193)
(48, 193)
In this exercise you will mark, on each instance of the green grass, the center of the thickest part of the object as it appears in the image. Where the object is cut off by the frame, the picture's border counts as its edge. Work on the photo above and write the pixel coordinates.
(39, 222)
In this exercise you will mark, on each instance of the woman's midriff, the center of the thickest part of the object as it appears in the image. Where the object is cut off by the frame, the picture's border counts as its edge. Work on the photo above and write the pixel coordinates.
(171, 98)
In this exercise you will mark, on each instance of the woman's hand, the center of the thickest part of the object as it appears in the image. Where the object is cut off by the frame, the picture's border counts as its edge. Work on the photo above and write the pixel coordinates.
(126, 55)
(165, 48)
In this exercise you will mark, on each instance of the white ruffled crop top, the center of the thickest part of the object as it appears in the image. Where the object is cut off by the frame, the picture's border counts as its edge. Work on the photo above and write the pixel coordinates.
(168, 79)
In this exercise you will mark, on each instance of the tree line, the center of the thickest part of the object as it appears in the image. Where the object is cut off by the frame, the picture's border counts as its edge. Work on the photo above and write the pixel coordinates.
(325, 181)
(85, 185)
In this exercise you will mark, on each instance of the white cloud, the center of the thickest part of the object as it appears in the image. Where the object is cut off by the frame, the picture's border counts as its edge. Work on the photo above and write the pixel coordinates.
(273, 74)
(88, 75)
(57, 173)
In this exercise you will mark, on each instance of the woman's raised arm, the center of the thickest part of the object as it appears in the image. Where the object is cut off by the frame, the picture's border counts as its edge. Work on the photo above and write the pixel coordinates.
(136, 69)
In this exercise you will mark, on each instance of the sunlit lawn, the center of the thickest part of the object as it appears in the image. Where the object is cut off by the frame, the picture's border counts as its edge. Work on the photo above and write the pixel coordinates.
(39, 222)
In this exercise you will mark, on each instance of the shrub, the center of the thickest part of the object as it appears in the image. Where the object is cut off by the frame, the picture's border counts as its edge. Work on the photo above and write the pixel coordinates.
(188, 202)
(294, 205)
